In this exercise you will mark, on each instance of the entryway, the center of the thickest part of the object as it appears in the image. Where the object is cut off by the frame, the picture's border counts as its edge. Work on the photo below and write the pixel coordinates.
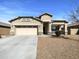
(45, 27)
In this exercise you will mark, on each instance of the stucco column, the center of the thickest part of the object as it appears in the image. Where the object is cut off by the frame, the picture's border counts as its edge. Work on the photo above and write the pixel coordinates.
(12, 31)
(40, 29)
(49, 32)
(66, 31)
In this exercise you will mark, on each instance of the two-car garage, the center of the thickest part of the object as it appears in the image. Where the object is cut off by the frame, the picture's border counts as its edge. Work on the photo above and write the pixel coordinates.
(26, 30)
(26, 26)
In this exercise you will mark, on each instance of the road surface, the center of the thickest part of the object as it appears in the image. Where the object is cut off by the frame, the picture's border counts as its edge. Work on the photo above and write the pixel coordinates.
(18, 47)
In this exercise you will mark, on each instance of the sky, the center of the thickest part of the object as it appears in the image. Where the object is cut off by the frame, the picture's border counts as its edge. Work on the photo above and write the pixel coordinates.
(10, 9)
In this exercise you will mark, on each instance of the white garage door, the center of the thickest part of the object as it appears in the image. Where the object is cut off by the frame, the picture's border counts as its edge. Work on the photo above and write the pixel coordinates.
(74, 31)
(26, 31)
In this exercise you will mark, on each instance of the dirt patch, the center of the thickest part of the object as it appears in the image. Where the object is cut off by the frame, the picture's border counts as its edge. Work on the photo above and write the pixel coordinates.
(57, 48)
(72, 37)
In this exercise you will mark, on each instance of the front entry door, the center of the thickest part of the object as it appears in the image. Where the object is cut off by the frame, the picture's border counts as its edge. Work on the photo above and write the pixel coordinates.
(45, 27)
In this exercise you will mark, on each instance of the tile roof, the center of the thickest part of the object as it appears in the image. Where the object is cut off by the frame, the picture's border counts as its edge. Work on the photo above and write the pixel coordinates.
(59, 21)
(25, 17)
(35, 18)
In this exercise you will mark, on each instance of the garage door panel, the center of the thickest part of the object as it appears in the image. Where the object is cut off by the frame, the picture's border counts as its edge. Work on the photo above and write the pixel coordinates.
(74, 31)
(26, 31)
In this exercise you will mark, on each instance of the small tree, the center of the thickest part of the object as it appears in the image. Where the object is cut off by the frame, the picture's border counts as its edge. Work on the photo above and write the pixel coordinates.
(74, 16)
(58, 33)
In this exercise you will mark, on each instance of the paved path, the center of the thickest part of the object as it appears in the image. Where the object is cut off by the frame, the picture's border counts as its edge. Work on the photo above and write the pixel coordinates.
(18, 47)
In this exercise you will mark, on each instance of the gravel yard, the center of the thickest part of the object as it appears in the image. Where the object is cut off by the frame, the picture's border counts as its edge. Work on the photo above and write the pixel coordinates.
(57, 48)
(72, 37)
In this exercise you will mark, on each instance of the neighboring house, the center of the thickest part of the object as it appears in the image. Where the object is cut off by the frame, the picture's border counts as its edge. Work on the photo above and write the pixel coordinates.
(28, 25)
(4, 29)
(73, 29)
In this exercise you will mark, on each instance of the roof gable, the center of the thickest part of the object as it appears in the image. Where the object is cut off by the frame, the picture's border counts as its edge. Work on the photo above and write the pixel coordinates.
(45, 14)
(25, 17)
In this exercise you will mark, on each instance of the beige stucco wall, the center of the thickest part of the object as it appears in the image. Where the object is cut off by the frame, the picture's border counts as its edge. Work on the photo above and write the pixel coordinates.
(50, 29)
(73, 31)
(40, 29)
(31, 22)
(66, 28)
(46, 18)
(4, 32)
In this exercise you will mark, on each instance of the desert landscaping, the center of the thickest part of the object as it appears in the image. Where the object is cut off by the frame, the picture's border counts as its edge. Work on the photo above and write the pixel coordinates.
(57, 48)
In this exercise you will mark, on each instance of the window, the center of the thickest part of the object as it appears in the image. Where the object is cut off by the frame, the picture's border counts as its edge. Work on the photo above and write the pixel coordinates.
(53, 27)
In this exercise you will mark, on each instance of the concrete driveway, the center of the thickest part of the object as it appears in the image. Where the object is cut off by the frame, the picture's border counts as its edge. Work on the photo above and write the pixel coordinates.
(18, 47)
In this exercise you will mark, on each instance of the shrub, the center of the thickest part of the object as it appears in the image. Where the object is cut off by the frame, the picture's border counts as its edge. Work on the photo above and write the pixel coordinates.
(58, 33)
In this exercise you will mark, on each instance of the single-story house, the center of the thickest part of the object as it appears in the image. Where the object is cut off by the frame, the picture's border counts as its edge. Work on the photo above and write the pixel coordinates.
(29, 25)
(73, 29)
(4, 29)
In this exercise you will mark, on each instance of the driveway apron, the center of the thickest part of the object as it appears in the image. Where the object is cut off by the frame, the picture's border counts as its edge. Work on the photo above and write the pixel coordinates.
(18, 47)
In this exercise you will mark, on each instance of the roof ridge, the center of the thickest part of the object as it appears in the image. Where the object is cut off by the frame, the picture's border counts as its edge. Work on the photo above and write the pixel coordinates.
(25, 17)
